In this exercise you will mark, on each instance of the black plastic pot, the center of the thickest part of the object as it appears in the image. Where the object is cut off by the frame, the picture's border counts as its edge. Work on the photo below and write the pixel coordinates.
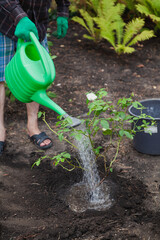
(144, 142)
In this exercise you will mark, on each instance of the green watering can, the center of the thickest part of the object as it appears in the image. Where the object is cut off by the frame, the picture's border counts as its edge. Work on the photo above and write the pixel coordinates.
(30, 72)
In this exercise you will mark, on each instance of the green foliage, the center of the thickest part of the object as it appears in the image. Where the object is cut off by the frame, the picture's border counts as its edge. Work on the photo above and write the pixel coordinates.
(151, 9)
(51, 94)
(77, 4)
(61, 157)
(105, 21)
(87, 21)
(130, 4)
(50, 44)
(105, 117)
(132, 34)
(9, 94)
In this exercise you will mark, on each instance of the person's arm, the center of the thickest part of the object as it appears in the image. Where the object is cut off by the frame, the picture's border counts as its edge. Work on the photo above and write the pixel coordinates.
(23, 24)
(62, 18)
(13, 9)
(63, 8)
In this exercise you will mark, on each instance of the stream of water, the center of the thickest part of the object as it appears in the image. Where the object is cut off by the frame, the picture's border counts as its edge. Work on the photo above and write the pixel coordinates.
(90, 193)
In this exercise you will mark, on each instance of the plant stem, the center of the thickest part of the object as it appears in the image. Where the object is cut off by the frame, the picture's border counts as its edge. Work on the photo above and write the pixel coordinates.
(58, 134)
(116, 154)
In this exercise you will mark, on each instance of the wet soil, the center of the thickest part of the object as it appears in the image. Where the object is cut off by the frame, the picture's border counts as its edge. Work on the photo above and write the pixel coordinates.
(33, 205)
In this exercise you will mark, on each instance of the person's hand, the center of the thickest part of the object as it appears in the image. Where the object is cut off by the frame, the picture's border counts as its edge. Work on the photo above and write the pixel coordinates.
(62, 27)
(24, 27)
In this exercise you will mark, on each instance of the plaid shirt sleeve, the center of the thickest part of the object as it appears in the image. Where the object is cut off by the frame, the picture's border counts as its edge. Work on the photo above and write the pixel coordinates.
(11, 12)
(63, 8)
(14, 9)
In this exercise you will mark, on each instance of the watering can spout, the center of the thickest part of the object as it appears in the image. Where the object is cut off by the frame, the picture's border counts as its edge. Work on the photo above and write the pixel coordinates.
(41, 97)
(75, 122)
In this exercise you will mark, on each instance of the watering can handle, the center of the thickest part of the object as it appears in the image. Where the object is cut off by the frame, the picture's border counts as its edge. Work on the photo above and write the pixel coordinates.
(38, 47)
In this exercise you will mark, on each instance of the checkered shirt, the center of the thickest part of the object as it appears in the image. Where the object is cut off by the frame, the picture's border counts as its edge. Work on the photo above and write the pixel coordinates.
(11, 11)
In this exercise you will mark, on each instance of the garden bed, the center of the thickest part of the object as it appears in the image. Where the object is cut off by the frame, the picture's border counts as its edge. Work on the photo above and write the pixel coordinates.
(33, 200)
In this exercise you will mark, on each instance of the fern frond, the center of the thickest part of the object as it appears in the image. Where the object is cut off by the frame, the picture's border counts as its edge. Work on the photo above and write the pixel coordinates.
(94, 4)
(118, 26)
(132, 28)
(124, 49)
(128, 50)
(81, 22)
(154, 18)
(145, 35)
(88, 37)
(106, 31)
(109, 36)
(105, 7)
(120, 8)
(144, 10)
(156, 6)
(88, 19)
(130, 4)
(150, 8)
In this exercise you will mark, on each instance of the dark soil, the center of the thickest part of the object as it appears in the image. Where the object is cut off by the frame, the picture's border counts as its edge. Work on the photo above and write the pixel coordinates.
(33, 202)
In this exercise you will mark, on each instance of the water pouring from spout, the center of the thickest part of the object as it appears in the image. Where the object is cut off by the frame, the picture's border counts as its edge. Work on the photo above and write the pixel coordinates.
(90, 193)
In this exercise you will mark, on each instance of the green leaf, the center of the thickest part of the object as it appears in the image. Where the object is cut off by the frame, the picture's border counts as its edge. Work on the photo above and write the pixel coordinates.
(132, 28)
(7, 92)
(105, 124)
(12, 98)
(97, 150)
(38, 162)
(150, 9)
(50, 43)
(136, 104)
(95, 122)
(89, 20)
(101, 93)
(124, 49)
(61, 137)
(88, 37)
(108, 132)
(51, 94)
(144, 35)
(53, 57)
(121, 132)
(122, 115)
(96, 129)
(106, 31)
(40, 114)
(128, 135)
(118, 25)
(67, 155)
(78, 137)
